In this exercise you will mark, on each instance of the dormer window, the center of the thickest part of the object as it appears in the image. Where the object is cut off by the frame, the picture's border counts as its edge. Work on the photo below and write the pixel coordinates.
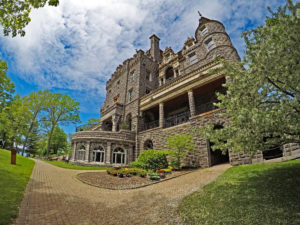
(118, 84)
(203, 30)
(131, 76)
(210, 44)
(193, 58)
(167, 58)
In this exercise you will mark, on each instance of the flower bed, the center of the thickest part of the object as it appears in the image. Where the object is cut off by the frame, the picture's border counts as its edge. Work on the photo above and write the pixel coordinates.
(113, 181)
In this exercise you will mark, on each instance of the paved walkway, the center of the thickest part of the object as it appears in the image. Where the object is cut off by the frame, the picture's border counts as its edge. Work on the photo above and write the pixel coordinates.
(54, 196)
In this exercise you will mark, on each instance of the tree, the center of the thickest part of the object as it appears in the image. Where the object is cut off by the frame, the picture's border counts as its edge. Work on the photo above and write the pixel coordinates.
(59, 142)
(263, 101)
(14, 120)
(93, 121)
(7, 88)
(14, 15)
(60, 109)
(36, 103)
(33, 139)
(181, 145)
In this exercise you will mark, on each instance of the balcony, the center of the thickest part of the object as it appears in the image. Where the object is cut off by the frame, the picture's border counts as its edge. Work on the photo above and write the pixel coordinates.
(150, 125)
(177, 119)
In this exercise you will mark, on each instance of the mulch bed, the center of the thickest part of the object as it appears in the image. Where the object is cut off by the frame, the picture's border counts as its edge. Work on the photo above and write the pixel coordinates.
(104, 180)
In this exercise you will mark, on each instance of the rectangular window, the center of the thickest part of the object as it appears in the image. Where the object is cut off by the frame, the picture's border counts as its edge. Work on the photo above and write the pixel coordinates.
(131, 76)
(203, 30)
(148, 75)
(130, 95)
(193, 58)
(210, 44)
(118, 84)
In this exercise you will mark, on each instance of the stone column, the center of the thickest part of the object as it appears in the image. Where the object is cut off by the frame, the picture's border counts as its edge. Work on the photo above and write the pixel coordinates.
(161, 115)
(73, 151)
(115, 120)
(87, 152)
(192, 103)
(107, 153)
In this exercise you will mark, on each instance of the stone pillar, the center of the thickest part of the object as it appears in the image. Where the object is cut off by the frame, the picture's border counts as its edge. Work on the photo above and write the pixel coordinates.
(164, 81)
(192, 103)
(115, 120)
(108, 152)
(73, 151)
(87, 152)
(161, 115)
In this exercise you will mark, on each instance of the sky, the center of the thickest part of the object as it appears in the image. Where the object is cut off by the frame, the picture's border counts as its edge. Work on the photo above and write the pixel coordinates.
(75, 47)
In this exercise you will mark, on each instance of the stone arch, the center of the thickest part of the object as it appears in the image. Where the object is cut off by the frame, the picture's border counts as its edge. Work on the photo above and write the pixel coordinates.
(169, 74)
(148, 144)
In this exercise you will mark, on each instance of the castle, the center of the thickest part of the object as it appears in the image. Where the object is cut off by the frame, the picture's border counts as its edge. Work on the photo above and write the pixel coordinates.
(156, 94)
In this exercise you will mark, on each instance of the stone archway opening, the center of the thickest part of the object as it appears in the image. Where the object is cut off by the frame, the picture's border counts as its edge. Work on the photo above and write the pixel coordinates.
(148, 144)
(217, 156)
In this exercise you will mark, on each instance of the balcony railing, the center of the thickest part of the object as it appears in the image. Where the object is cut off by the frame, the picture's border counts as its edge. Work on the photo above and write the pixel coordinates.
(150, 125)
(177, 119)
(206, 107)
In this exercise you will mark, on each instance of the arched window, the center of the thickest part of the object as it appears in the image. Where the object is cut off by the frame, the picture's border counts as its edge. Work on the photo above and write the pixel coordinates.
(81, 153)
(169, 74)
(98, 154)
(148, 144)
(119, 156)
(129, 121)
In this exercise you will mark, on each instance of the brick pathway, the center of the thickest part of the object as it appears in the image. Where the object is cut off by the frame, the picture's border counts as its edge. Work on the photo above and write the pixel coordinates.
(54, 196)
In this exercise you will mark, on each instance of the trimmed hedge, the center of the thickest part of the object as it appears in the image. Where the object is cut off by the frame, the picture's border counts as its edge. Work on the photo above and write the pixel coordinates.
(151, 160)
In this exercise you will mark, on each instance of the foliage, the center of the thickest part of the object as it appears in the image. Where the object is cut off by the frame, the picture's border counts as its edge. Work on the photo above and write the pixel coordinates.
(180, 144)
(152, 160)
(7, 88)
(14, 15)
(263, 101)
(93, 121)
(32, 145)
(124, 125)
(250, 194)
(13, 120)
(13, 181)
(59, 142)
(65, 165)
(60, 109)
(154, 176)
(127, 172)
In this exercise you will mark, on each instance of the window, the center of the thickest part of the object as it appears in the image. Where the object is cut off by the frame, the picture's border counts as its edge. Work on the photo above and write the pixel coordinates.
(203, 30)
(148, 75)
(193, 58)
(98, 154)
(177, 73)
(167, 58)
(130, 95)
(147, 91)
(118, 156)
(116, 99)
(210, 44)
(131, 76)
(118, 84)
(81, 153)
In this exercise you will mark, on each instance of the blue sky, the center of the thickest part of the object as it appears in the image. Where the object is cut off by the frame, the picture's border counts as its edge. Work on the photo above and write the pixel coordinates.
(75, 47)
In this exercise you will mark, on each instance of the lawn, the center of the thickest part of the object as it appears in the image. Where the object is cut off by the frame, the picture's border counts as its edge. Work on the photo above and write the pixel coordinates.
(74, 167)
(13, 180)
(250, 194)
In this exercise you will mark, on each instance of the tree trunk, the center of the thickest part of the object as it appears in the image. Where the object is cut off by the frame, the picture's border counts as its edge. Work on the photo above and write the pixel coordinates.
(49, 141)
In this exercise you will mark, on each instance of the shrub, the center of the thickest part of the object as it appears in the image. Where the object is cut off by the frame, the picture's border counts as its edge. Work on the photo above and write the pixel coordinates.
(154, 176)
(152, 160)
(142, 173)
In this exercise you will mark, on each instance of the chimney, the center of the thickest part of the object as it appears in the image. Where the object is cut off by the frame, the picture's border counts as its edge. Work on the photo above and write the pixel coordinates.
(154, 49)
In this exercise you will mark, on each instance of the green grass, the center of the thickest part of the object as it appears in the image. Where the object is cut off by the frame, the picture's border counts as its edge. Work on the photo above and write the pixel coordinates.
(251, 194)
(74, 167)
(13, 180)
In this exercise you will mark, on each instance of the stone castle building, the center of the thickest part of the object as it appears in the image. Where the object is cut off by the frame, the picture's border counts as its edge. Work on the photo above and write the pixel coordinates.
(156, 94)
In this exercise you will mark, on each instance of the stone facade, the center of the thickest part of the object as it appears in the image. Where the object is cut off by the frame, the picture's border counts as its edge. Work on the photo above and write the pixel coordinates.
(156, 94)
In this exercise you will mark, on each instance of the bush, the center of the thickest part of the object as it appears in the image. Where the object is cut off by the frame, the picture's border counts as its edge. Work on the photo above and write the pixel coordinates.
(151, 160)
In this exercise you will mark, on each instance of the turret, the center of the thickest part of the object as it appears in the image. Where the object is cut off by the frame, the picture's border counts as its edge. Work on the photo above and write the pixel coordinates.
(154, 49)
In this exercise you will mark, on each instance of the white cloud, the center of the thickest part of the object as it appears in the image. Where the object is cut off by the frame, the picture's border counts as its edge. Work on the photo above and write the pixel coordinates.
(77, 45)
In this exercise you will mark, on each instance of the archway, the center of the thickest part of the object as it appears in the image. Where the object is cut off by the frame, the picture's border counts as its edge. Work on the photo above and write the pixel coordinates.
(217, 156)
(169, 74)
(148, 144)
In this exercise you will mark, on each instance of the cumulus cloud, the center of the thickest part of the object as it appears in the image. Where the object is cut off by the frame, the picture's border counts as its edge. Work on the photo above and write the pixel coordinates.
(77, 45)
